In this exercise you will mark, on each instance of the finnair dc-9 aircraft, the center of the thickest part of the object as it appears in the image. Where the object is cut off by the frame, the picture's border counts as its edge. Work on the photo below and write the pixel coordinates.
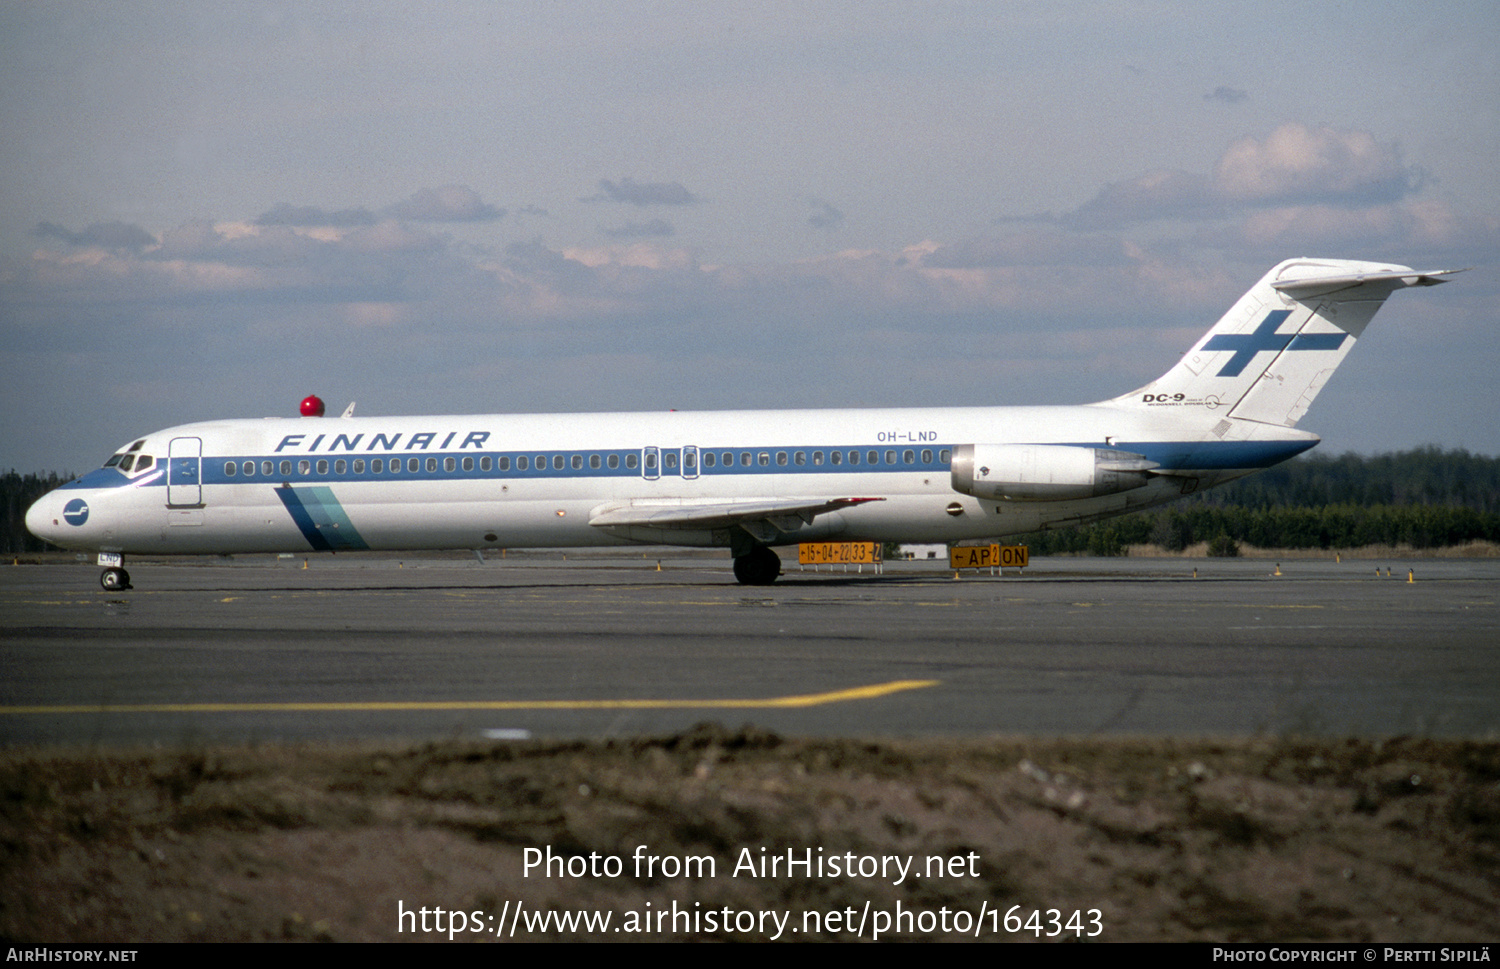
(743, 480)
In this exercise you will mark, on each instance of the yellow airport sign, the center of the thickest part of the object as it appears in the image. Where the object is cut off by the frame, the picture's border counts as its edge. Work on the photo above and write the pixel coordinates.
(838, 553)
(989, 556)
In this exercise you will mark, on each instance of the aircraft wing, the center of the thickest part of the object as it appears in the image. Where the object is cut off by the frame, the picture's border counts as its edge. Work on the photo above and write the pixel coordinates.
(763, 518)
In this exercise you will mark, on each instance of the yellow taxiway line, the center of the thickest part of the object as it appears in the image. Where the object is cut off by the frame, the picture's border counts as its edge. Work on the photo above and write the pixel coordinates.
(870, 692)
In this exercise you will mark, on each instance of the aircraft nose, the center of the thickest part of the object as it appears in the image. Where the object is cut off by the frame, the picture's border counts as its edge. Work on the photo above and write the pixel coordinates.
(50, 515)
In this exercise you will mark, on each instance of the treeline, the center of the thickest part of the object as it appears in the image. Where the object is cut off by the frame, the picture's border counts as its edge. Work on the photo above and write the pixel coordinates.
(1426, 498)
(1425, 476)
(1328, 527)
(17, 492)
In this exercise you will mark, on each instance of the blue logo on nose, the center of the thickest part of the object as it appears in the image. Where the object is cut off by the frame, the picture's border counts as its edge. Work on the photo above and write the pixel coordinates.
(76, 512)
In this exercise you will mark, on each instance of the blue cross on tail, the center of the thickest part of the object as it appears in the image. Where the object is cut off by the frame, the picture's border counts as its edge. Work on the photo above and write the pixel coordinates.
(1265, 337)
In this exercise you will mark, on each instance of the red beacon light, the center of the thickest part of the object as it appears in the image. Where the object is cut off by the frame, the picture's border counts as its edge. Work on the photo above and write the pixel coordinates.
(312, 406)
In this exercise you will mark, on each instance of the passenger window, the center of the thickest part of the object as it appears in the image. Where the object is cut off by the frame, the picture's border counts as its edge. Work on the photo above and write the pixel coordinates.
(267, 468)
(448, 464)
(926, 455)
(377, 465)
(577, 462)
(836, 457)
(781, 459)
(907, 457)
(890, 457)
(708, 459)
(469, 464)
(650, 460)
(230, 468)
(944, 456)
(359, 465)
(503, 464)
(799, 458)
(613, 460)
(304, 466)
(413, 465)
(632, 461)
(744, 459)
(541, 462)
(728, 459)
(286, 468)
(670, 460)
(523, 463)
(873, 457)
(432, 465)
(690, 460)
(817, 458)
(249, 468)
(853, 457)
(765, 459)
(594, 462)
(395, 465)
(322, 467)
(557, 462)
(340, 466)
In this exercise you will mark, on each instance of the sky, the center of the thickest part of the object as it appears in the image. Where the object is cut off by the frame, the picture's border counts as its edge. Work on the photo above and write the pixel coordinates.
(213, 210)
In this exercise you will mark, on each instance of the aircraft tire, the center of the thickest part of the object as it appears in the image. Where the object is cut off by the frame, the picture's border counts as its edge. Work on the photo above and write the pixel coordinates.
(759, 566)
(115, 580)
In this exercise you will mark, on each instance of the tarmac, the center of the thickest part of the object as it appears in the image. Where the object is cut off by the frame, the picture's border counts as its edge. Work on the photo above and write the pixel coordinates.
(553, 644)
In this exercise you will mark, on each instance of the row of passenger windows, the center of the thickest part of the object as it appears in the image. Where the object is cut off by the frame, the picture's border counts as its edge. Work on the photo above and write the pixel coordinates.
(595, 462)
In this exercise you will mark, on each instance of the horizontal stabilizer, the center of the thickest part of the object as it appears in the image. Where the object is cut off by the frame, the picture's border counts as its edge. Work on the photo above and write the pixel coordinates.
(1359, 285)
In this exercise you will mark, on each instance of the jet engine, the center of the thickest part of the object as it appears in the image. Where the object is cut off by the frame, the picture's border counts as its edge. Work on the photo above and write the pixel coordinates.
(1045, 472)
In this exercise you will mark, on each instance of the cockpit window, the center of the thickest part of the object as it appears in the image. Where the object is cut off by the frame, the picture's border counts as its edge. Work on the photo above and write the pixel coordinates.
(130, 463)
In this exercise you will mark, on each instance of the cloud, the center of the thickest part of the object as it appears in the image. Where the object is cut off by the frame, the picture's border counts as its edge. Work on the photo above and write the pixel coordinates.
(1325, 165)
(826, 216)
(1293, 165)
(638, 230)
(1160, 194)
(450, 203)
(643, 193)
(1229, 95)
(307, 215)
(105, 235)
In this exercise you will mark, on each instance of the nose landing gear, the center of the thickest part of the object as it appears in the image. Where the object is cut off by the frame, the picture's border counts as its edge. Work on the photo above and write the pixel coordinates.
(115, 580)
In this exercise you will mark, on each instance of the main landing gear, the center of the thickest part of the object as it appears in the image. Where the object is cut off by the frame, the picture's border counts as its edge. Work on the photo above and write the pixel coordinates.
(759, 566)
(115, 580)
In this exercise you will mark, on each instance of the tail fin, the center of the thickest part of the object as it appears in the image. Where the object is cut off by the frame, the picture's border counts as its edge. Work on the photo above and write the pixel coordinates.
(1270, 355)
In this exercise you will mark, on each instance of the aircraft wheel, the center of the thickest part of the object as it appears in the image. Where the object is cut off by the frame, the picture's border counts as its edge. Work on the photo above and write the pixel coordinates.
(115, 580)
(759, 566)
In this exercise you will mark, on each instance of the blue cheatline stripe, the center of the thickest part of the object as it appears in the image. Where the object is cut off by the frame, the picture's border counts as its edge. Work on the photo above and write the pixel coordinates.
(1194, 455)
(321, 519)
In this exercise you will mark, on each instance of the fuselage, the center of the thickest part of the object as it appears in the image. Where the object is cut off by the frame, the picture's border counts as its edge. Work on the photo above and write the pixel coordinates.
(333, 484)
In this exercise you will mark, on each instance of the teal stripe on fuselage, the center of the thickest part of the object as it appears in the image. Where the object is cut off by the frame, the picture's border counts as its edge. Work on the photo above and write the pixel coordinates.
(321, 519)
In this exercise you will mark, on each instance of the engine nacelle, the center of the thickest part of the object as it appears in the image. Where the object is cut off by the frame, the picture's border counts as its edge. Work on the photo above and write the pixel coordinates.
(1045, 472)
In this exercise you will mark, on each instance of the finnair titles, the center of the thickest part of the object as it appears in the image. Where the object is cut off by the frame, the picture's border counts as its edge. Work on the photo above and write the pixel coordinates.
(748, 481)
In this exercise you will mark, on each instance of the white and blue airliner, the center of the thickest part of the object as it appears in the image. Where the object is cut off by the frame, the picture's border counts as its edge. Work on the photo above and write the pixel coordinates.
(747, 481)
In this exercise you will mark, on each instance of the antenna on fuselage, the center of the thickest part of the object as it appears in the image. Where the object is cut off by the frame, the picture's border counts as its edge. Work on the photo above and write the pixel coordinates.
(348, 411)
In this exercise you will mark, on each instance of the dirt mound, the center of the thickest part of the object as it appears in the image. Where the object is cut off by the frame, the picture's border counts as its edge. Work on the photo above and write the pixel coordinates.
(747, 835)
